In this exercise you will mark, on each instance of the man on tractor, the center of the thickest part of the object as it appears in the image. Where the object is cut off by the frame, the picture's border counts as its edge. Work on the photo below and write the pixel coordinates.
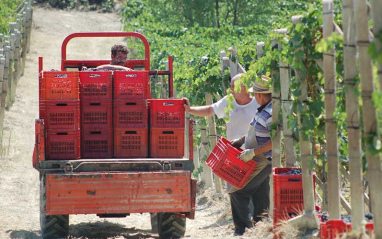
(118, 59)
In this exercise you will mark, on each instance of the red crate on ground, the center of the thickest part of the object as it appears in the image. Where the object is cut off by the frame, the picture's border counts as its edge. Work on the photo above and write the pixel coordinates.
(130, 113)
(331, 229)
(63, 144)
(166, 143)
(287, 189)
(60, 114)
(130, 142)
(166, 113)
(96, 114)
(96, 85)
(59, 85)
(97, 143)
(225, 163)
(131, 85)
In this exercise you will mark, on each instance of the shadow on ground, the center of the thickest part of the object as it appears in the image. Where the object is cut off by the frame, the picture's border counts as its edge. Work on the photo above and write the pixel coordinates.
(103, 230)
(96, 230)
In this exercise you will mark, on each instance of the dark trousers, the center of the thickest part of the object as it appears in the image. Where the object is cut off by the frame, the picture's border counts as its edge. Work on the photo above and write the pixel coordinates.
(258, 191)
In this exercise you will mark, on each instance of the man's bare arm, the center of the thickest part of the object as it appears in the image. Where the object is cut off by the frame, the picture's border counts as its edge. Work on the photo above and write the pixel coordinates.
(200, 111)
(113, 67)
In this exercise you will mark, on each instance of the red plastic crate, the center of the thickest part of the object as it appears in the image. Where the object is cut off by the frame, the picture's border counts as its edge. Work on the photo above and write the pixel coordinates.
(131, 85)
(96, 114)
(225, 163)
(97, 143)
(96, 85)
(166, 143)
(59, 85)
(287, 189)
(60, 114)
(167, 113)
(130, 113)
(63, 144)
(332, 228)
(130, 142)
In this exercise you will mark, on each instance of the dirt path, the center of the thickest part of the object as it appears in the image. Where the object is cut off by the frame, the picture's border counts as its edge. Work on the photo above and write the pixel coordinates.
(19, 182)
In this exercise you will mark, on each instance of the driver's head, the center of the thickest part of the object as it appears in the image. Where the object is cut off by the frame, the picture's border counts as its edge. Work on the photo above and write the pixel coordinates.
(119, 55)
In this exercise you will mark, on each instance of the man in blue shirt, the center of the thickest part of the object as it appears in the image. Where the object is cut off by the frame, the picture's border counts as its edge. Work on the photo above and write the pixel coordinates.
(258, 147)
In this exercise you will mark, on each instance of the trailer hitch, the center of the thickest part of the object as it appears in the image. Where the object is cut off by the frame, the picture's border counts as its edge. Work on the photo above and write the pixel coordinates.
(166, 166)
(68, 168)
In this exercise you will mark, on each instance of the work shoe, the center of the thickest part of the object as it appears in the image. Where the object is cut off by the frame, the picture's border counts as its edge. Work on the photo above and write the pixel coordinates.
(238, 232)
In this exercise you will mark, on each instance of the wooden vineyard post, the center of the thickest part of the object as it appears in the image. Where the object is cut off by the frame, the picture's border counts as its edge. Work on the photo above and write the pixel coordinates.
(204, 152)
(276, 108)
(309, 219)
(353, 120)
(376, 8)
(369, 112)
(330, 122)
(286, 103)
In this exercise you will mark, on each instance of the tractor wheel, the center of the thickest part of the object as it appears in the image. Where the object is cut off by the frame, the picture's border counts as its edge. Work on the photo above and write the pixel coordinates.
(171, 225)
(52, 226)
(154, 222)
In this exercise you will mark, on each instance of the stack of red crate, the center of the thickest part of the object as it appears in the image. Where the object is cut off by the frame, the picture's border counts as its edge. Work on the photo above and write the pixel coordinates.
(96, 114)
(167, 119)
(332, 229)
(287, 194)
(60, 109)
(131, 90)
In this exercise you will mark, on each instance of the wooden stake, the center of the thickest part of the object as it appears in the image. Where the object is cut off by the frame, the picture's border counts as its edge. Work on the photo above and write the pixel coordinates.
(353, 121)
(369, 113)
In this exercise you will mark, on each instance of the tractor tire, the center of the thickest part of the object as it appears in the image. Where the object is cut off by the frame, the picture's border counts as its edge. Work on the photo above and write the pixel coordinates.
(154, 222)
(52, 226)
(171, 225)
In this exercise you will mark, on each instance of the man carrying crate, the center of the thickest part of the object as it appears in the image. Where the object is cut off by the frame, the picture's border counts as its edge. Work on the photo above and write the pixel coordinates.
(258, 147)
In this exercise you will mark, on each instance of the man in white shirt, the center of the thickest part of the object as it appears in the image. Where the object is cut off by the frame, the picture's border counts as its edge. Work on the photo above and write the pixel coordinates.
(243, 112)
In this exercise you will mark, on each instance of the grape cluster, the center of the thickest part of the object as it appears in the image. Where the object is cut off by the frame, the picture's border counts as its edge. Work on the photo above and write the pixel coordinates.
(345, 218)
(292, 172)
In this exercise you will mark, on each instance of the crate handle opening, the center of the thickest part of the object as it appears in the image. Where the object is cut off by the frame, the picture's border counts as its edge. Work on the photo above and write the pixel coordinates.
(95, 103)
(168, 104)
(130, 132)
(131, 103)
(62, 133)
(94, 75)
(61, 104)
(294, 180)
(95, 132)
(168, 132)
(131, 75)
(61, 76)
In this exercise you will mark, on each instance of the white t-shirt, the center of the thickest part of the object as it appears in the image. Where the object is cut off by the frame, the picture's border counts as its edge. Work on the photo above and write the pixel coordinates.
(240, 117)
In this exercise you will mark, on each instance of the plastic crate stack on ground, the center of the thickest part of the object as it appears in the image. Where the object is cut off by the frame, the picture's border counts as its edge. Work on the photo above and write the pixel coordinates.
(60, 108)
(287, 194)
(332, 229)
(167, 128)
(225, 163)
(96, 114)
(131, 91)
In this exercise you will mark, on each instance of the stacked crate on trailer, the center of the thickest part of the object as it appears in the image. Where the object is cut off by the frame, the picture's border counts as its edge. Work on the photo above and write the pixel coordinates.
(96, 114)
(167, 128)
(60, 109)
(131, 91)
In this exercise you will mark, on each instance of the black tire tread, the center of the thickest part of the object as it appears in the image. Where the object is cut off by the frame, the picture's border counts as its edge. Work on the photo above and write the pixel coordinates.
(171, 226)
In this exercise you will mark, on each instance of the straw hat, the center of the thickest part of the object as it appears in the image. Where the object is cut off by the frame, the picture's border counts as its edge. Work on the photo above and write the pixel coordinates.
(262, 86)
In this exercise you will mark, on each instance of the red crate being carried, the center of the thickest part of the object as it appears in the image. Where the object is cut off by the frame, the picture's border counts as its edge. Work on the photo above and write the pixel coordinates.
(96, 114)
(63, 144)
(59, 85)
(96, 85)
(166, 143)
(225, 163)
(130, 113)
(97, 143)
(131, 85)
(130, 142)
(167, 113)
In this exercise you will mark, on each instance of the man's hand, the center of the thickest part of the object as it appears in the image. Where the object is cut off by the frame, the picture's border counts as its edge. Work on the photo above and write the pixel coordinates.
(237, 143)
(247, 155)
(187, 105)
